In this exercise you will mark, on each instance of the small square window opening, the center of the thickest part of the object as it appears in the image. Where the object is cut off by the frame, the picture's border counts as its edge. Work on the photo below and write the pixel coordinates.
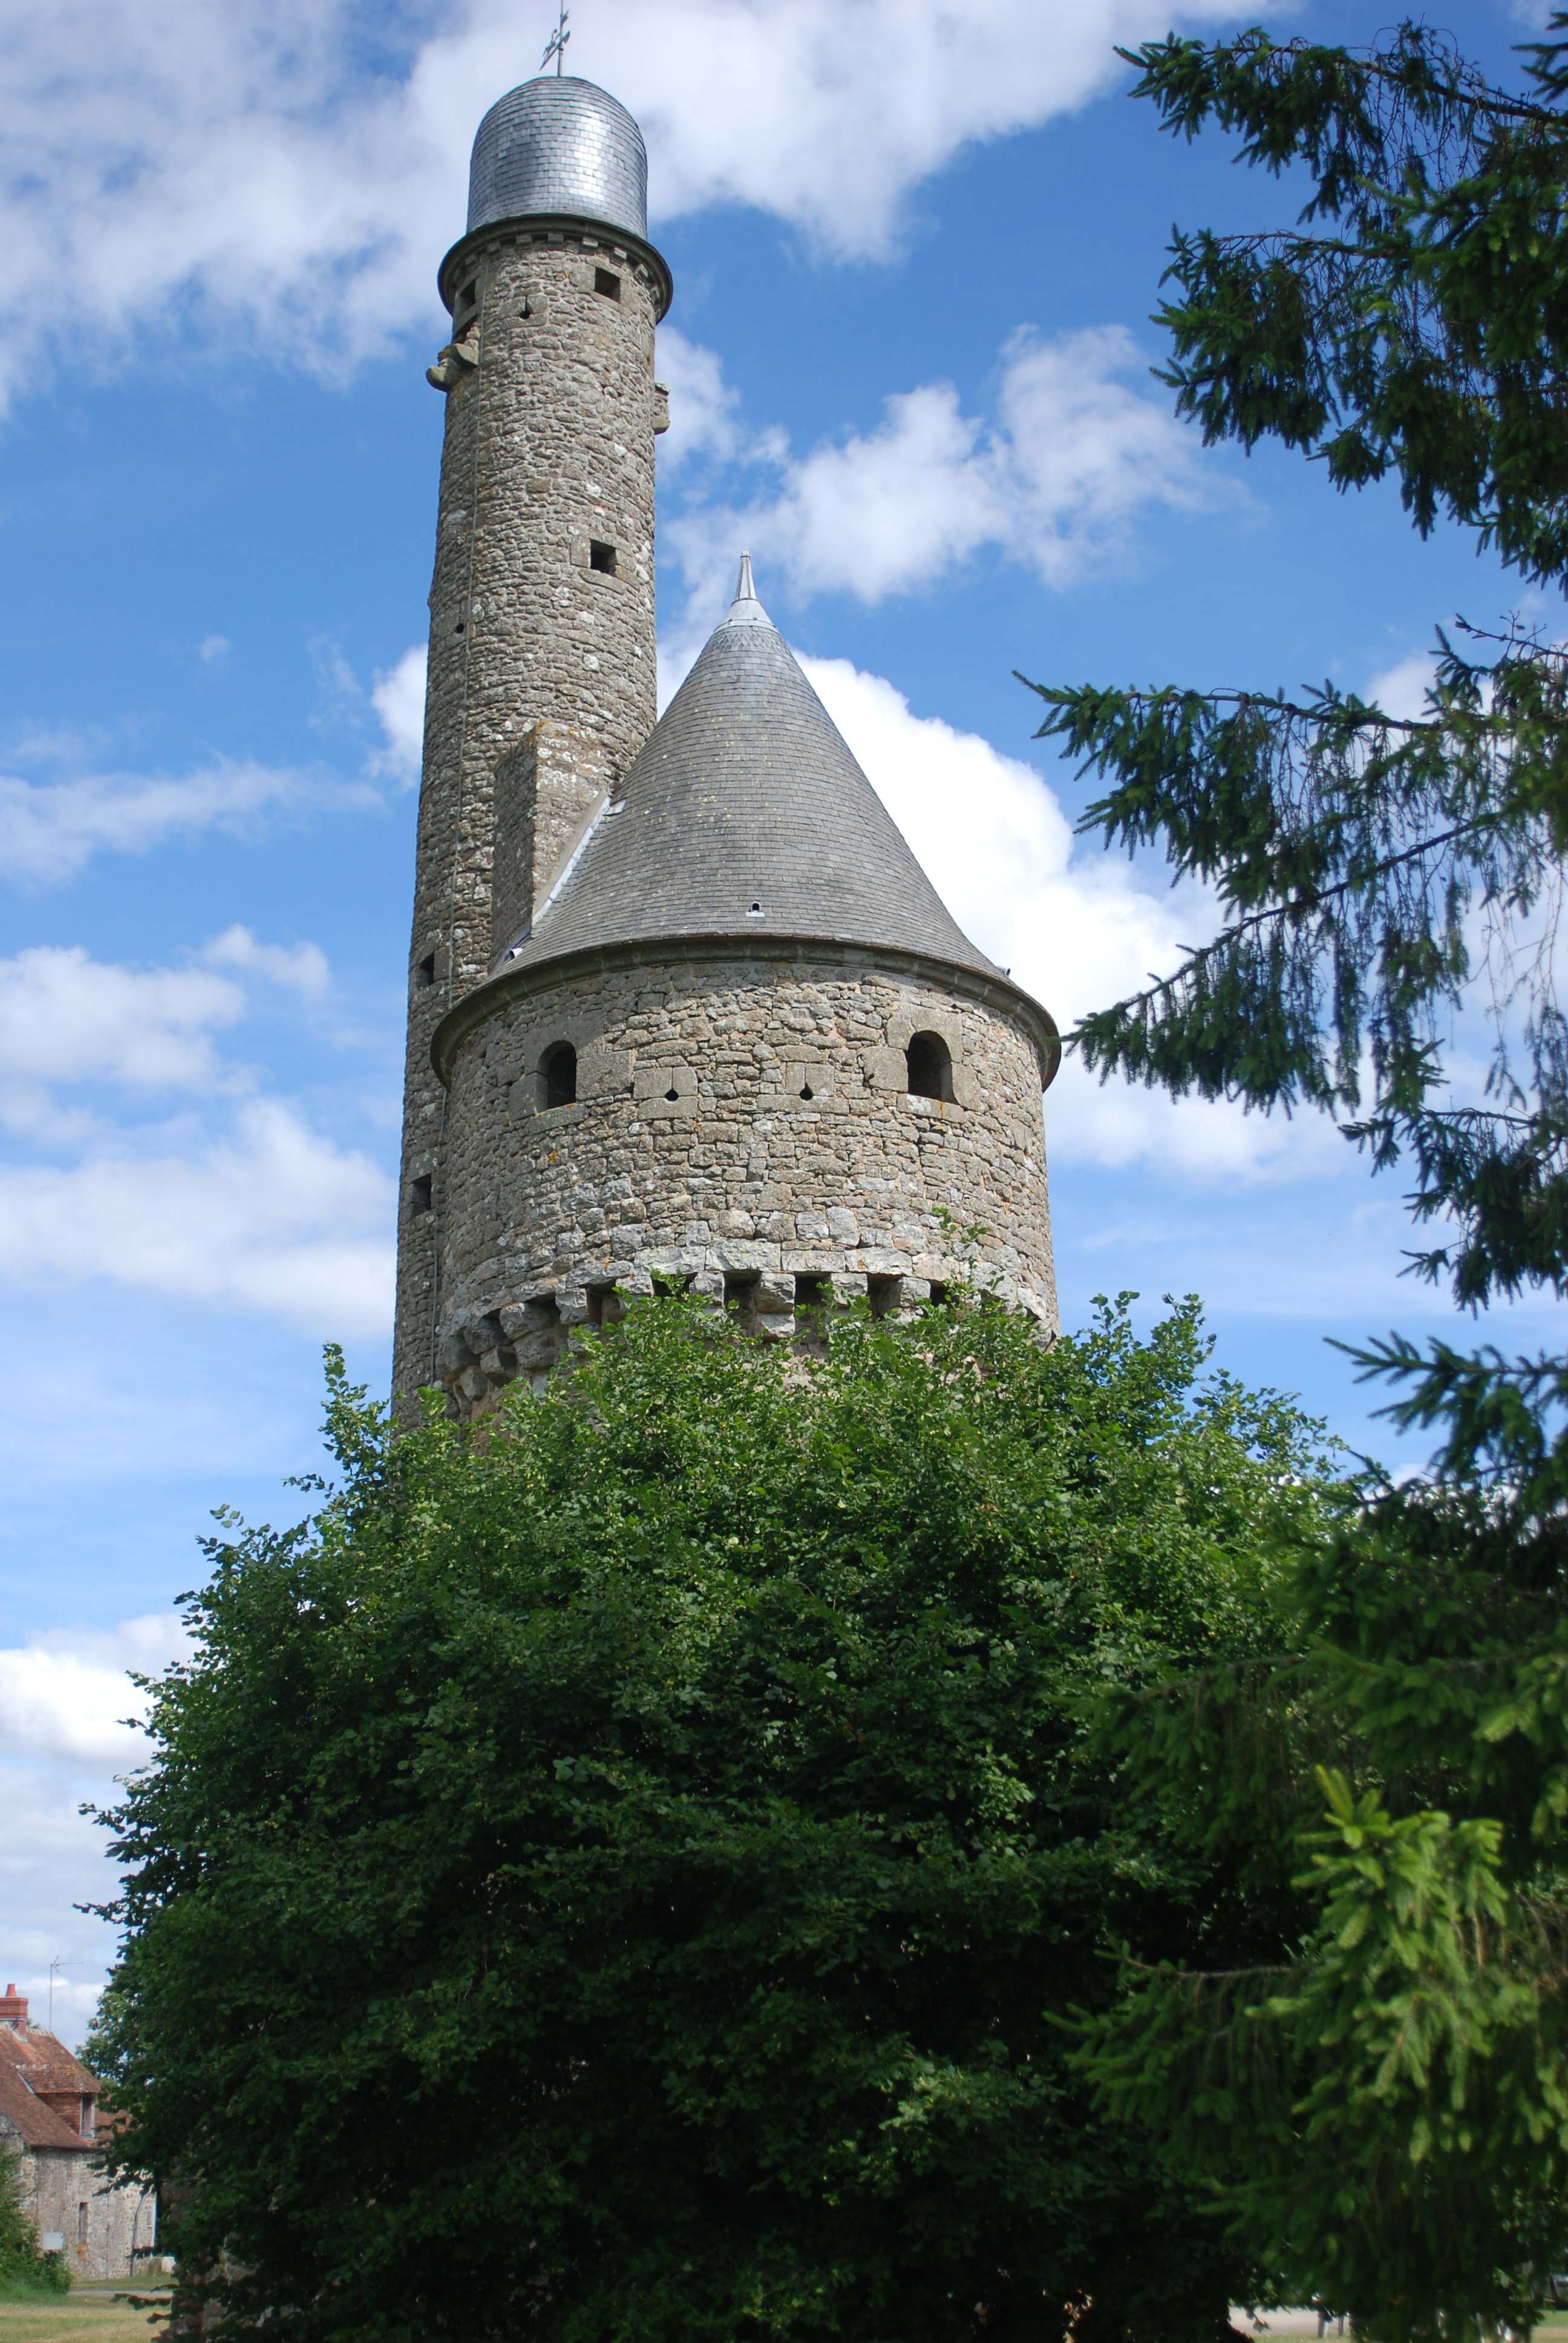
(421, 1197)
(425, 974)
(601, 558)
(740, 1292)
(882, 1293)
(607, 282)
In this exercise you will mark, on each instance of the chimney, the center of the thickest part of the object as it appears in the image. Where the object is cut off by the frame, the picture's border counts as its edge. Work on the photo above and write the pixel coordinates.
(14, 2010)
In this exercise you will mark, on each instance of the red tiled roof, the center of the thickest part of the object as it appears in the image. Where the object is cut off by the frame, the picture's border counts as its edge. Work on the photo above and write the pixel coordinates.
(23, 2113)
(45, 2060)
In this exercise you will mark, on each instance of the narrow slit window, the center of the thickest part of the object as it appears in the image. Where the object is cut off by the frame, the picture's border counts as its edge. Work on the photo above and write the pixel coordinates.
(81, 2225)
(425, 974)
(603, 1306)
(930, 1067)
(601, 556)
(469, 298)
(558, 1075)
(607, 282)
(740, 1291)
(420, 1192)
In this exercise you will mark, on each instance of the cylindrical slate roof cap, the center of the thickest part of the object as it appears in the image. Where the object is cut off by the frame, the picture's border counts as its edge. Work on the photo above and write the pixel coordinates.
(560, 144)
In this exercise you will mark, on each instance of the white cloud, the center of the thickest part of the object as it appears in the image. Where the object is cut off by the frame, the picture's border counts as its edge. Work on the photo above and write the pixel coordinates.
(68, 1018)
(52, 1859)
(1400, 690)
(214, 647)
(64, 1697)
(704, 409)
(1071, 459)
(829, 114)
(51, 830)
(267, 1216)
(299, 967)
(249, 1206)
(67, 1693)
(397, 696)
(243, 159)
(1070, 923)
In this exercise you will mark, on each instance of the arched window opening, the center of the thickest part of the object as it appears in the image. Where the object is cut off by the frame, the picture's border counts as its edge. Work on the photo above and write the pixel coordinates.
(930, 1067)
(558, 1074)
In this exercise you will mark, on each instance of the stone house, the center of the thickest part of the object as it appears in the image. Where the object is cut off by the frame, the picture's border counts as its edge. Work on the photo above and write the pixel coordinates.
(49, 2113)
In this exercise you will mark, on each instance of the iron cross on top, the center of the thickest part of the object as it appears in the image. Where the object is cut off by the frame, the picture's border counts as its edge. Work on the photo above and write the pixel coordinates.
(556, 47)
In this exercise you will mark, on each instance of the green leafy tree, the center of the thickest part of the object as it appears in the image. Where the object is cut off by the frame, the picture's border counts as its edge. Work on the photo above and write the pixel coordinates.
(24, 2268)
(1379, 2107)
(1373, 869)
(620, 1871)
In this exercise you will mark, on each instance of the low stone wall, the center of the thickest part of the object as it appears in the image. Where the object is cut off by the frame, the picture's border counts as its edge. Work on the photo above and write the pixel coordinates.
(742, 1127)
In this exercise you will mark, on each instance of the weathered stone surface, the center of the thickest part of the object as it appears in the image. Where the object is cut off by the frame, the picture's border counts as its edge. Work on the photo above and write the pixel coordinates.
(548, 451)
(852, 1186)
(733, 937)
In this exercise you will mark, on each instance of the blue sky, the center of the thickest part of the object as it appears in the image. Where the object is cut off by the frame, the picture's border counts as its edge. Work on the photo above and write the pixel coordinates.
(915, 250)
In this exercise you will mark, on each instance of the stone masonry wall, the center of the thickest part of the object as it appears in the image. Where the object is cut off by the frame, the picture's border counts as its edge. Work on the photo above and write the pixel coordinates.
(546, 794)
(741, 1125)
(109, 2230)
(551, 412)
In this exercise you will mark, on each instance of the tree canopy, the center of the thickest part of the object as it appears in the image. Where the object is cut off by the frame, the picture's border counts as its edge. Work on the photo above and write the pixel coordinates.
(1380, 2106)
(1376, 870)
(628, 1869)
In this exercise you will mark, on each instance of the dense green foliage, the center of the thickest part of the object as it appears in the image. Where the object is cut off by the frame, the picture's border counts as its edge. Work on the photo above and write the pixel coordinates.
(621, 1871)
(1377, 872)
(23, 2270)
(1380, 2106)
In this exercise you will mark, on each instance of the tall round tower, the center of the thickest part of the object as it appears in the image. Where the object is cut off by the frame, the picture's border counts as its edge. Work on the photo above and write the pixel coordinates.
(541, 683)
(685, 1010)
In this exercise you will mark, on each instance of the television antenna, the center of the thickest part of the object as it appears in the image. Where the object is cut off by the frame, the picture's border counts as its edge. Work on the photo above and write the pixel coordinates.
(55, 1965)
(556, 47)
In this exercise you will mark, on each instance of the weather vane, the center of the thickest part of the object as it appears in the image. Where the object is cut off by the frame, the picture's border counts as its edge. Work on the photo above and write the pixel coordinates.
(556, 47)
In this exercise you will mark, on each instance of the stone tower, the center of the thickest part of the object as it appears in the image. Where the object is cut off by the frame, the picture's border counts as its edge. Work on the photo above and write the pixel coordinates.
(684, 1009)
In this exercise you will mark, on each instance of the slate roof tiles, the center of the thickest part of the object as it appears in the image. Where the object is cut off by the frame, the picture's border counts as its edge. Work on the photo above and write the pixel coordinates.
(744, 814)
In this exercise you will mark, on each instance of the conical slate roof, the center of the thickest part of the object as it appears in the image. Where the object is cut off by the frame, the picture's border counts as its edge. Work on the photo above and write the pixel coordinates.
(746, 814)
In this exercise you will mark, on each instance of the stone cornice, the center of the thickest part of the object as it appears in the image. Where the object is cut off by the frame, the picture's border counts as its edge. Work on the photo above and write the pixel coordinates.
(537, 228)
(997, 992)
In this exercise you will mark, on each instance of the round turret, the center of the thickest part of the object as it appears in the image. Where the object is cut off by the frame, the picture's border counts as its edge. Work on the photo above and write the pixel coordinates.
(559, 146)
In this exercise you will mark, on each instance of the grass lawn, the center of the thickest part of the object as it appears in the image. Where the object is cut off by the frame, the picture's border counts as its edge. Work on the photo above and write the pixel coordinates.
(85, 2315)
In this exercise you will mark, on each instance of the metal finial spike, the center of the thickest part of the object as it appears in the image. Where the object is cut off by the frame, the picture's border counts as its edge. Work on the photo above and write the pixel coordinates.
(745, 610)
(556, 47)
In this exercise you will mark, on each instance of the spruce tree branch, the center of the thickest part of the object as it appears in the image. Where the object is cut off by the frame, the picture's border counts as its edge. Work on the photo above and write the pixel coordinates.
(1297, 906)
